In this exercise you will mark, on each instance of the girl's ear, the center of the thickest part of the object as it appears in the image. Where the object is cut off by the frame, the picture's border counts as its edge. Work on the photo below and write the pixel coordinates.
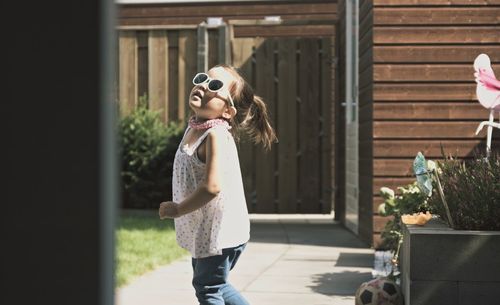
(229, 113)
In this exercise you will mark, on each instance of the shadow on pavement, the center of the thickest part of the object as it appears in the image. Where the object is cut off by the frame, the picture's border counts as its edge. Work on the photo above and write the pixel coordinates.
(339, 283)
(333, 235)
(347, 259)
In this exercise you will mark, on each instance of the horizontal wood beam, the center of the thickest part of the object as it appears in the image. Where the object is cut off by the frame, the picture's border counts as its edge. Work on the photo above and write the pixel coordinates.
(434, 2)
(423, 73)
(408, 148)
(426, 130)
(436, 16)
(393, 167)
(436, 35)
(429, 111)
(285, 22)
(291, 30)
(228, 9)
(424, 92)
(162, 21)
(156, 27)
(431, 54)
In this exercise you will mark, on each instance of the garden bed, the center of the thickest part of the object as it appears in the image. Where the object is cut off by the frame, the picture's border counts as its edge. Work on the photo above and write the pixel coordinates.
(443, 266)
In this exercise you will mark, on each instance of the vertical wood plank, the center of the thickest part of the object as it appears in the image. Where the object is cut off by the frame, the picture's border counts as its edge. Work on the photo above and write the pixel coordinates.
(335, 83)
(309, 126)
(158, 73)
(142, 63)
(202, 47)
(173, 74)
(187, 70)
(224, 44)
(265, 182)
(182, 84)
(128, 83)
(213, 47)
(286, 129)
(339, 119)
(272, 107)
(326, 124)
(242, 52)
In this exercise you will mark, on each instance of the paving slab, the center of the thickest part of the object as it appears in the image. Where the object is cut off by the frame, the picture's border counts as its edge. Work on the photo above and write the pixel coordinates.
(305, 259)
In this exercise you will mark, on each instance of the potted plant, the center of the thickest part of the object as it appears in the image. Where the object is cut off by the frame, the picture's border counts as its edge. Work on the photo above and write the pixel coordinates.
(455, 258)
(409, 199)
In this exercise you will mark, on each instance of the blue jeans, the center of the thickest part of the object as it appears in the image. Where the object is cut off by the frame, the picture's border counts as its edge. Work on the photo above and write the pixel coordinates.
(210, 278)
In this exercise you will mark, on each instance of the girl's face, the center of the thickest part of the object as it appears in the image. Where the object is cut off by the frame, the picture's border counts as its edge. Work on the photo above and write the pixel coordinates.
(211, 105)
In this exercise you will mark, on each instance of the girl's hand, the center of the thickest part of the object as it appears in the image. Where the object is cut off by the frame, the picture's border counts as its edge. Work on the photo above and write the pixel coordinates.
(168, 209)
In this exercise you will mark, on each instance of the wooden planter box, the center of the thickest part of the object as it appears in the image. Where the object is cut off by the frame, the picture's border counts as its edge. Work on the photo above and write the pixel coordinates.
(443, 266)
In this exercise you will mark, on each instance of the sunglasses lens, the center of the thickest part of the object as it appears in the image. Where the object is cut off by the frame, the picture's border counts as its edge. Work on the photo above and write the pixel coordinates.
(200, 78)
(215, 85)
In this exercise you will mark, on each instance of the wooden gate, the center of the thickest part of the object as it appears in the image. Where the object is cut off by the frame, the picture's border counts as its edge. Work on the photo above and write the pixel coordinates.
(294, 76)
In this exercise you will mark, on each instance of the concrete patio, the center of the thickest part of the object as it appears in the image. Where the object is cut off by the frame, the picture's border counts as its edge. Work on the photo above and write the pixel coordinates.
(299, 259)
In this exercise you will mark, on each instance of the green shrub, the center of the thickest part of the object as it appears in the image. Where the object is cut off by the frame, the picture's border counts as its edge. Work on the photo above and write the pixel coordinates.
(147, 148)
(472, 190)
(409, 200)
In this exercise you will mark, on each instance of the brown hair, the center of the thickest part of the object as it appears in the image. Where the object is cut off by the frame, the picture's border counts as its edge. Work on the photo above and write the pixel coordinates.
(252, 116)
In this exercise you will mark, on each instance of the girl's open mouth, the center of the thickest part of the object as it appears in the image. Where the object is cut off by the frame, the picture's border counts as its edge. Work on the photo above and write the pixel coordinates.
(198, 94)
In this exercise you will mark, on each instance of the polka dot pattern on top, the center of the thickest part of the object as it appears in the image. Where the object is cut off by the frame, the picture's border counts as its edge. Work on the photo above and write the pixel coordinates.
(200, 232)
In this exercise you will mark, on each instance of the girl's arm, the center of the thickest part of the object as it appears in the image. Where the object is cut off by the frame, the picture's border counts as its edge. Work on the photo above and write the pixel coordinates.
(206, 191)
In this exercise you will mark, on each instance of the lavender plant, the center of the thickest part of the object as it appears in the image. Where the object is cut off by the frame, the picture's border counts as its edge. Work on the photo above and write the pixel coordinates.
(472, 192)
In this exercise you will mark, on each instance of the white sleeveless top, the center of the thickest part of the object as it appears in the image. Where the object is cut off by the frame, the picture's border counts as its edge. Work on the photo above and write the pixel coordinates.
(221, 223)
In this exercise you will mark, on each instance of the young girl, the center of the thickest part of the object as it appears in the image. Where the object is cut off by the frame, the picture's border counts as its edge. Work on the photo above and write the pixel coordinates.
(211, 217)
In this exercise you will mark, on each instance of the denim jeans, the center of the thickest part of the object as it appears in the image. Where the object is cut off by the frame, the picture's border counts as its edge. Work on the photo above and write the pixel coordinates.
(210, 276)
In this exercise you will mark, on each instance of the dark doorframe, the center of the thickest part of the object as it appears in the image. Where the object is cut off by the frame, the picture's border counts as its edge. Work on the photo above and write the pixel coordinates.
(60, 169)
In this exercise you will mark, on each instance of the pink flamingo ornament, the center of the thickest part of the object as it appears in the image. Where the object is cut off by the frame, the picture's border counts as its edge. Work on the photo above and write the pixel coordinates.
(488, 94)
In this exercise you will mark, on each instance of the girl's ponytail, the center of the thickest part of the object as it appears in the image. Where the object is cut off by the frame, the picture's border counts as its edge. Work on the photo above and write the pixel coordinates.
(256, 123)
(252, 116)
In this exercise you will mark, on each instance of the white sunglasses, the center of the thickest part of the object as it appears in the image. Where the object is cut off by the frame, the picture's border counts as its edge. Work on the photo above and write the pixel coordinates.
(214, 85)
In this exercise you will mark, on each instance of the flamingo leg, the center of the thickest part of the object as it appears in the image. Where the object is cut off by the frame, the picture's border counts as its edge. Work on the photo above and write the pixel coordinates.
(490, 132)
(491, 124)
(488, 123)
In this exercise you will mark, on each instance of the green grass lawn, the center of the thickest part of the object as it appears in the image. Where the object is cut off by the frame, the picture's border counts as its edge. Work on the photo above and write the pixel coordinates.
(143, 242)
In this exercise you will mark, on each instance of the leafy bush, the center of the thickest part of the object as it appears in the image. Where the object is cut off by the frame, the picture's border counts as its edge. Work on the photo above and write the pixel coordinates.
(409, 200)
(147, 150)
(472, 190)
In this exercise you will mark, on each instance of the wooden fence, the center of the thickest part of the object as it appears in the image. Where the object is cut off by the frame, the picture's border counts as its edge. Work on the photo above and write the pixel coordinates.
(293, 75)
(160, 63)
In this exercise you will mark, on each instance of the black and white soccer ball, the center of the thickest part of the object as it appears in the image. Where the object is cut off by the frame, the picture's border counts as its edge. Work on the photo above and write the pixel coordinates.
(379, 291)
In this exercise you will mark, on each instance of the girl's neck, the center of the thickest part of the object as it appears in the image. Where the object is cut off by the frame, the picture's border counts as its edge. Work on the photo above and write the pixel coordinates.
(203, 124)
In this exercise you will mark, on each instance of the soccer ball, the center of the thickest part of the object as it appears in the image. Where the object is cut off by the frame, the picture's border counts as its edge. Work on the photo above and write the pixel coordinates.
(380, 291)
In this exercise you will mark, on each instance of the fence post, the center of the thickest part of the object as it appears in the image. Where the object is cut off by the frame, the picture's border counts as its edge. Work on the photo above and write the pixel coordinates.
(158, 76)
(128, 86)
(202, 47)
(224, 46)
